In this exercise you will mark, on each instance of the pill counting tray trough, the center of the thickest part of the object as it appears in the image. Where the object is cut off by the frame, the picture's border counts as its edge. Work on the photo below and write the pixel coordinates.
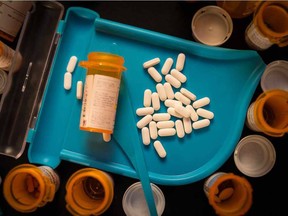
(228, 77)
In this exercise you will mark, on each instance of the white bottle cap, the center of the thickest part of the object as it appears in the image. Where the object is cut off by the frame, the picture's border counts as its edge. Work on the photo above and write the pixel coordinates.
(211, 25)
(275, 76)
(254, 155)
(134, 203)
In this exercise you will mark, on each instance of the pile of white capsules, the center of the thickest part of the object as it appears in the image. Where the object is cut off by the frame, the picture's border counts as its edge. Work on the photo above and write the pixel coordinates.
(182, 104)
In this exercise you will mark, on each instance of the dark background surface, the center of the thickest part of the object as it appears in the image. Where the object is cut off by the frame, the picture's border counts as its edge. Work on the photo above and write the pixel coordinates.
(174, 18)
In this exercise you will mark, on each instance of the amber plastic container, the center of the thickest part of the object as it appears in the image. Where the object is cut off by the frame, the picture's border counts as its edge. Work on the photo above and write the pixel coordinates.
(228, 194)
(239, 9)
(269, 25)
(27, 187)
(89, 192)
(101, 91)
(269, 113)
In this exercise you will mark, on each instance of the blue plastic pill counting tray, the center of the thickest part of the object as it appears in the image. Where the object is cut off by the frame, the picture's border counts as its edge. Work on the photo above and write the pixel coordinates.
(228, 77)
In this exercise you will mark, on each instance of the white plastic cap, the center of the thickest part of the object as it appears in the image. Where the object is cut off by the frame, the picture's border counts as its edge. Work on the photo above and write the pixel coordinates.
(254, 155)
(275, 76)
(134, 203)
(211, 25)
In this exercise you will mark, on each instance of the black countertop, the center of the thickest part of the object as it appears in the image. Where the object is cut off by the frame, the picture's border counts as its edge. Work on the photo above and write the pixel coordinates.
(174, 18)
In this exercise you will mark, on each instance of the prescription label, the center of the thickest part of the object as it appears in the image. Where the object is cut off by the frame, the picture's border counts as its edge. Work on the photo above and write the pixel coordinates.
(250, 118)
(12, 15)
(257, 38)
(99, 102)
(51, 174)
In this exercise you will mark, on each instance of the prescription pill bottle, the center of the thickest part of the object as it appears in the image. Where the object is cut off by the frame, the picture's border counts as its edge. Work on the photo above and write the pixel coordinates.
(101, 90)
(3, 81)
(228, 194)
(269, 113)
(89, 191)
(27, 187)
(7, 55)
(269, 25)
(238, 9)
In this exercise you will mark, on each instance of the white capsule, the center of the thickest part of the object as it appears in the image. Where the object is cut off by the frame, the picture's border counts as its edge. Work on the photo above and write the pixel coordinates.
(169, 91)
(106, 137)
(179, 128)
(163, 132)
(188, 94)
(161, 91)
(182, 111)
(79, 90)
(142, 111)
(151, 63)
(153, 130)
(155, 74)
(201, 102)
(161, 116)
(178, 75)
(145, 136)
(167, 66)
(165, 124)
(160, 149)
(147, 98)
(172, 103)
(180, 97)
(201, 123)
(187, 125)
(155, 101)
(205, 113)
(193, 115)
(172, 112)
(173, 81)
(180, 61)
(144, 121)
(71, 64)
(67, 80)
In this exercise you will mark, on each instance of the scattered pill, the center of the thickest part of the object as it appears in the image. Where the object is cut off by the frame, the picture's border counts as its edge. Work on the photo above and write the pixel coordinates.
(167, 66)
(155, 101)
(147, 98)
(169, 91)
(71, 64)
(201, 102)
(155, 74)
(153, 130)
(151, 63)
(106, 137)
(79, 90)
(201, 123)
(145, 136)
(161, 116)
(67, 80)
(205, 113)
(161, 91)
(180, 61)
(172, 112)
(193, 115)
(142, 111)
(165, 124)
(144, 121)
(178, 75)
(172, 103)
(179, 128)
(163, 132)
(180, 97)
(187, 125)
(173, 81)
(182, 111)
(188, 94)
(160, 149)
